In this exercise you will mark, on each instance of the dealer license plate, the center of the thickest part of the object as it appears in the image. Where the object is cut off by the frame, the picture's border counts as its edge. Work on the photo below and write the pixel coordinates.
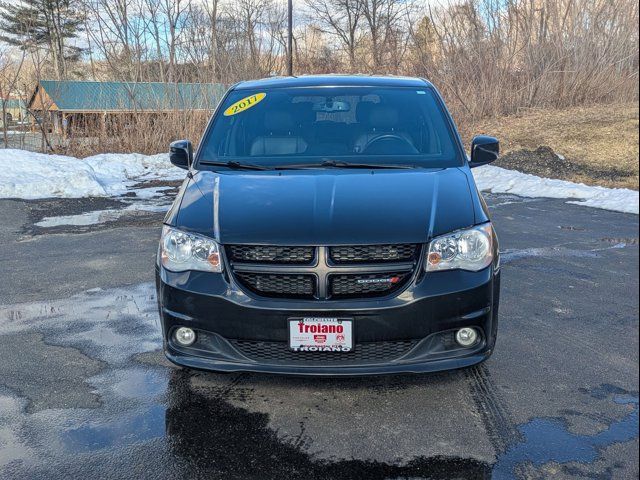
(311, 334)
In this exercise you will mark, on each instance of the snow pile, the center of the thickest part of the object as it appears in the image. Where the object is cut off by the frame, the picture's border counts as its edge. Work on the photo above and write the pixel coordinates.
(118, 171)
(36, 175)
(33, 175)
(500, 180)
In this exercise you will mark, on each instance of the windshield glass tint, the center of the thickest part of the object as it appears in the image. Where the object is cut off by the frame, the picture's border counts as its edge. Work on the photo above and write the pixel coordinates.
(288, 125)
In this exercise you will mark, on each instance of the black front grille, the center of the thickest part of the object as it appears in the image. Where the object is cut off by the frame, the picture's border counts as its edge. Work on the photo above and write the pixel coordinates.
(270, 254)
(323, 273)
(366, 285)
(364, 353)
(404, 252)
(279, 284)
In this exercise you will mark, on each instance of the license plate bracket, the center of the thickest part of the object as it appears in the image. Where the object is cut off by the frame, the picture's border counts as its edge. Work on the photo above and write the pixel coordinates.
(321, 334)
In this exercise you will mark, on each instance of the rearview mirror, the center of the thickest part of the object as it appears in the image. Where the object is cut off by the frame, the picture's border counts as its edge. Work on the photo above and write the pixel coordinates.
(484, 150)
(181, 153)
(330, 106)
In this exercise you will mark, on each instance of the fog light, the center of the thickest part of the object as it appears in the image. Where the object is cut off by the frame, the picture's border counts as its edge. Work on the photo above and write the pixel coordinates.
(185, 336)
(466, 337)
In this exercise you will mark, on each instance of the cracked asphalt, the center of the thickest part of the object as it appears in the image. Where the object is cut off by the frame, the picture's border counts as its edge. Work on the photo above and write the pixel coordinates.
(86, 393)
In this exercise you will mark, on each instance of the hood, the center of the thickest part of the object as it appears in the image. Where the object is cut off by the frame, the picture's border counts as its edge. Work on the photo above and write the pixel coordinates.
(326, 207)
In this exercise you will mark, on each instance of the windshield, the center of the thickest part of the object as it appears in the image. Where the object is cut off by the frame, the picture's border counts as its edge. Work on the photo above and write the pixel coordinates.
(379, 125)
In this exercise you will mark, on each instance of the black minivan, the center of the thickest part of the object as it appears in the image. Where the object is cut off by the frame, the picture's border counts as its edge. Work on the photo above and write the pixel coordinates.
(329, 225)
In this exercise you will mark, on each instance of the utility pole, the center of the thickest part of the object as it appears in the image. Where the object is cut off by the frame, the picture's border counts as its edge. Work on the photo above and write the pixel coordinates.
(290, 38)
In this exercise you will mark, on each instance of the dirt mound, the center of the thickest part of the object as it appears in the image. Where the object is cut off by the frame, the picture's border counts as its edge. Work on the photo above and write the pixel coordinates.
(544, 162)
(599, 143)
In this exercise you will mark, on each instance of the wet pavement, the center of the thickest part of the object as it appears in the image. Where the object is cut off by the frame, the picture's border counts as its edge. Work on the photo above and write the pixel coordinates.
(86, 393)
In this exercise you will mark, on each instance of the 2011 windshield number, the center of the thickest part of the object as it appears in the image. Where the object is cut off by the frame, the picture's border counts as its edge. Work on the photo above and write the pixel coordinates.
(244, 104)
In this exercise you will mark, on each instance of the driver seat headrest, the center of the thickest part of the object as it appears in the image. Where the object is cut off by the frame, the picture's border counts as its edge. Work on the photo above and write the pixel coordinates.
(278, 122)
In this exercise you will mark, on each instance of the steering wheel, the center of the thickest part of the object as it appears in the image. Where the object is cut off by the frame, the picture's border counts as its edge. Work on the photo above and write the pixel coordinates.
(402, 147)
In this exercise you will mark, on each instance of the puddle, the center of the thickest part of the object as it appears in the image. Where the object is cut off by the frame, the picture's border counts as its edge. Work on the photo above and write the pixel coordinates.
(548, 440)
(137, 384)
(103, 216)
(119, 432)
(95, 322)
(12, 448)
(495, 201)
(151, 192)
(88, 218)
(100, 216)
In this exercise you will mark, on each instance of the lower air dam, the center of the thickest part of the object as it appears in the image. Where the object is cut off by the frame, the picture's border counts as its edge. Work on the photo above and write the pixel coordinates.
(316, 348)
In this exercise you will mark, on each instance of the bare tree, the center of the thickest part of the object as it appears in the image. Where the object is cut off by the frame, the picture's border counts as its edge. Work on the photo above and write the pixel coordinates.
(11, 62)
(340, 18)
(383, 19)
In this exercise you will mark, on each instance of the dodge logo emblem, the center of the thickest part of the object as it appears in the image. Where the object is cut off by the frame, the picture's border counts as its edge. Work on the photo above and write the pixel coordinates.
(394, 279)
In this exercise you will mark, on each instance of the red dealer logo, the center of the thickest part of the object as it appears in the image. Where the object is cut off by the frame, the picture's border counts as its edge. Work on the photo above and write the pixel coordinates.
(320, 338)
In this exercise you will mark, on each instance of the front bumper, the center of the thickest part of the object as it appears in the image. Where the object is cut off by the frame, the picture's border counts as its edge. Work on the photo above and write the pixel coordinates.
(413, 331)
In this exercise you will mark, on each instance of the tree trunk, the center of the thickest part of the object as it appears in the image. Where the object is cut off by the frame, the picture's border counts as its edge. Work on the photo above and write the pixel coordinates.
(4, 123)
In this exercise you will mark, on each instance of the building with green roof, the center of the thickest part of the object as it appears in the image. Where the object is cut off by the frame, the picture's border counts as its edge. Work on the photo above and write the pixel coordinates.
(16, 111)
(69, 102)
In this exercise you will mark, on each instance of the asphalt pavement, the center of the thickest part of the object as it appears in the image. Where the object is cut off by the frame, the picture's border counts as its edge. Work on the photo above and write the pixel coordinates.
(86, 393)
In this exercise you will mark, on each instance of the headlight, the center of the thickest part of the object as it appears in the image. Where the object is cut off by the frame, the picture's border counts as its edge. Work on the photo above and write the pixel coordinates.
(470, 249)
(181, 251)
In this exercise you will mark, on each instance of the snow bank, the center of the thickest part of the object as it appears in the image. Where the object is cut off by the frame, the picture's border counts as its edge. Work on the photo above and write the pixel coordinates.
(33, 175)
(36, 175)
(501, 180)
(117, 171)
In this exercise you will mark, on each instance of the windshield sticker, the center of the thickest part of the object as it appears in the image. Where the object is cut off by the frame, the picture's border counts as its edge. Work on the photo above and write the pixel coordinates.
(244, 104)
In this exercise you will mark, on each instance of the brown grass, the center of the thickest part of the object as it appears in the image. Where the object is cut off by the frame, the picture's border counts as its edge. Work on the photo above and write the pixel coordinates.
(596, 138)
(140, 133)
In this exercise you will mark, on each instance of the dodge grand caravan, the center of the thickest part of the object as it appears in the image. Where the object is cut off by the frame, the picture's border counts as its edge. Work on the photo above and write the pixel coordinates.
(329, 225)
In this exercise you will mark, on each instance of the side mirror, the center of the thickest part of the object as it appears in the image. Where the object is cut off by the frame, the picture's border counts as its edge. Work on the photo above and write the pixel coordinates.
(484, 150)
(181, 153)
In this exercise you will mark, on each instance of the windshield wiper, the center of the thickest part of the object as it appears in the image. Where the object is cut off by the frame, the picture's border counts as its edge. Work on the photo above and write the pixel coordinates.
(341, 164)
(234, 165)
(324, 164)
